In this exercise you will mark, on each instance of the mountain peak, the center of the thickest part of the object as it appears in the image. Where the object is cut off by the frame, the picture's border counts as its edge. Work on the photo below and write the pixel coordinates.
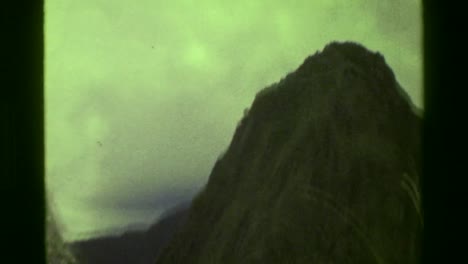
(345, 71)
(324, 168)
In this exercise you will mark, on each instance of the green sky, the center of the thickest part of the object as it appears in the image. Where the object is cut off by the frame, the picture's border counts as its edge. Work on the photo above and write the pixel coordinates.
(143, 96)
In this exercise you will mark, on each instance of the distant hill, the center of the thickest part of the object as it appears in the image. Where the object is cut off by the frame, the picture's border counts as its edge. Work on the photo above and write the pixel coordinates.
(132, 247)
(323, 168)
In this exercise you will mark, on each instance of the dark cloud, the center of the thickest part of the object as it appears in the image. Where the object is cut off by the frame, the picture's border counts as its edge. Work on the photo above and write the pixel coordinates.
(149, 202)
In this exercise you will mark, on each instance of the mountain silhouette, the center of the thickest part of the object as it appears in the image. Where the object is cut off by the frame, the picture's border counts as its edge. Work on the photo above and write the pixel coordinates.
(133, 246)
(323, 168)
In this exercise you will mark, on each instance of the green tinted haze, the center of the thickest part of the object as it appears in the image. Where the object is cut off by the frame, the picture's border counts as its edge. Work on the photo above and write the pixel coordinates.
(143, 96)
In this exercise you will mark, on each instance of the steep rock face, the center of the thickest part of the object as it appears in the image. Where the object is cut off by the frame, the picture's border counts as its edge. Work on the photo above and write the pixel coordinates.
(324, 168)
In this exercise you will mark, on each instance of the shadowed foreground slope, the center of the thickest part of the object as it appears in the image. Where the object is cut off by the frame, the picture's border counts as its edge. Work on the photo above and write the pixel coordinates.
(324, 168)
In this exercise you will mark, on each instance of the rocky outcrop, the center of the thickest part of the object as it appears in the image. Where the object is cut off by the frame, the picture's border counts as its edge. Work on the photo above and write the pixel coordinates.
(57, 251)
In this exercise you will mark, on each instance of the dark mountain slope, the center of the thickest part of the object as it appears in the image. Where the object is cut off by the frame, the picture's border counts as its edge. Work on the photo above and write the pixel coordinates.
(324, 168)
(132, 247)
